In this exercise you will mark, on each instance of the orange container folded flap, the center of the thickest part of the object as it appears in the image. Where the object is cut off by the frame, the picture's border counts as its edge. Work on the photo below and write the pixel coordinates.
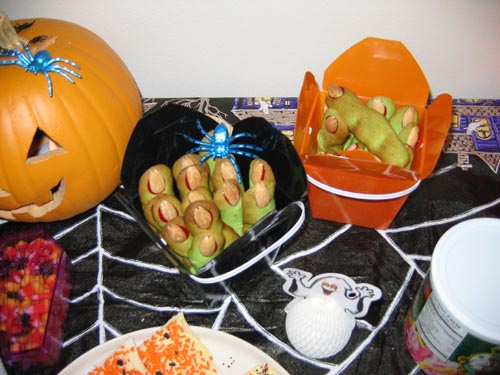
(438, 120)
(308, 113)
(379, 67)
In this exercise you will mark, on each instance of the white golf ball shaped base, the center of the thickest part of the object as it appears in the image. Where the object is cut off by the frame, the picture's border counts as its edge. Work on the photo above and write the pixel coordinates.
(318, 327)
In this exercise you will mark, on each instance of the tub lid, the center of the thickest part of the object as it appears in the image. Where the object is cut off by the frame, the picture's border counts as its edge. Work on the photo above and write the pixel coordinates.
(465, 274)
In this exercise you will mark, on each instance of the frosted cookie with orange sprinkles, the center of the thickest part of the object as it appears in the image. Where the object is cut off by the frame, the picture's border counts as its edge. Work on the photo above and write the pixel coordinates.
(261, 370)
(176, 349)
(125, 360)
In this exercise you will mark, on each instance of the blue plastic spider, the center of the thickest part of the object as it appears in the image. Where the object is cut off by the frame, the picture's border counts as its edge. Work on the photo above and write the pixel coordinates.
(220, 146)
(41, 62)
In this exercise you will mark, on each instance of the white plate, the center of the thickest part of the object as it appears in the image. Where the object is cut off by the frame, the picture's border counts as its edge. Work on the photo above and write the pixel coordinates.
(232, 355)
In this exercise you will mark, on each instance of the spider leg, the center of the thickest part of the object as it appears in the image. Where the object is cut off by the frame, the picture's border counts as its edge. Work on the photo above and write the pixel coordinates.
(238, 146)
(239, 135)
(27, 51)
(66, 61)
(9, 53)
(195, 141)
(207, 155)
(12, 62)
(61, 70)
(4, 52)
(203, 131)
(236, 168)
(21, 58)
(18, 54)
(244, 153)
(49, 82)
(25, 61)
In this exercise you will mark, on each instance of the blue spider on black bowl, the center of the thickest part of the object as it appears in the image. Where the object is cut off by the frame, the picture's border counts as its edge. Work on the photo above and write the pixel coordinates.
(169, 133)
(220, 145)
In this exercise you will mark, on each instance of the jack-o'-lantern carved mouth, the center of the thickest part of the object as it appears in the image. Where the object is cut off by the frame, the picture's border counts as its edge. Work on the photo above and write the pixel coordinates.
(35, 210)
(42, 147)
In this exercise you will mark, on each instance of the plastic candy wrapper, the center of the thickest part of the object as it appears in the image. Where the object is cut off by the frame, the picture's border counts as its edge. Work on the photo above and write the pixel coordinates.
(34, 290)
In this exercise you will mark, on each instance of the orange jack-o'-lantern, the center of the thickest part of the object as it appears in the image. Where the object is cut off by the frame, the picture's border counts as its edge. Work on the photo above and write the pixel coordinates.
(68, 105)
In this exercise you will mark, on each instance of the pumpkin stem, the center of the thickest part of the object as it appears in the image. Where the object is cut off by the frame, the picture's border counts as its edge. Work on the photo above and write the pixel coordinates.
(8, 36)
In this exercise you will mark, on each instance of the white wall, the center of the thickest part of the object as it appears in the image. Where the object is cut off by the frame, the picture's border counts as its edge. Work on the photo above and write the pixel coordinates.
(216, 48)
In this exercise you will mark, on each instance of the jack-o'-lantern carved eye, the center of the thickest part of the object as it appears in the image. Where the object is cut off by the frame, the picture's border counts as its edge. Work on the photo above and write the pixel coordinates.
(42, 147)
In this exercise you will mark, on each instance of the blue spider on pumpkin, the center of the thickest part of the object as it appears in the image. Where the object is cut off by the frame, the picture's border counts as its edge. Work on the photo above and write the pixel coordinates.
(220, 145)
(42, 62)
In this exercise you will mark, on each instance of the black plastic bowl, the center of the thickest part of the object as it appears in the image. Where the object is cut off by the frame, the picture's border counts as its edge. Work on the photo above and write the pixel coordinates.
(156, 139)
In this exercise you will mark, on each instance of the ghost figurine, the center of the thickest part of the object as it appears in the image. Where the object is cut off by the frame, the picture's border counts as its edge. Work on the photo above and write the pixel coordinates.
(321, 317)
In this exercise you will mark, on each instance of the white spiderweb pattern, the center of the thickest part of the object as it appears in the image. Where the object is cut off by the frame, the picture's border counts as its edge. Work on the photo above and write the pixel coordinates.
(220, 307)
(100, 291)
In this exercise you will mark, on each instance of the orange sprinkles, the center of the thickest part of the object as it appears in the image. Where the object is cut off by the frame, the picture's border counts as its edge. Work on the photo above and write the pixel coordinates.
(175, 349)
(124, 361)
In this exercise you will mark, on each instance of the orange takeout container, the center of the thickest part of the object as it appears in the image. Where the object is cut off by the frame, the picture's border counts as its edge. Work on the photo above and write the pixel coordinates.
(353, 187)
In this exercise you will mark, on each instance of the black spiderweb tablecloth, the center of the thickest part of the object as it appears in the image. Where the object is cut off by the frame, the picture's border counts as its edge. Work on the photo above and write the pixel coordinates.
(122, 283)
